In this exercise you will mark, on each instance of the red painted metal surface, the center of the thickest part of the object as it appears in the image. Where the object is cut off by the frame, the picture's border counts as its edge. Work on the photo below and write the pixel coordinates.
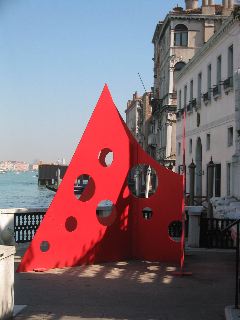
(71, 233)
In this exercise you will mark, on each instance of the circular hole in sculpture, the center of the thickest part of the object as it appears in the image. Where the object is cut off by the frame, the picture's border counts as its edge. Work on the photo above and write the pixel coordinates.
(84, 187)
(142, 181)
(105, 157)
(44, 246)
(106, 212)
(147, 213)
(71, 224)
(175, 230)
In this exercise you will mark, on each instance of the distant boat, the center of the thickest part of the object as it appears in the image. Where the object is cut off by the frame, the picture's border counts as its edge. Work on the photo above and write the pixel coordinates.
(3, 171)
(77, 189)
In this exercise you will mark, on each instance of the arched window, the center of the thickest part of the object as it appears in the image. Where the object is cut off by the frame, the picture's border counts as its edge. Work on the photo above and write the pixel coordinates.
(181, 35)
(177, 68)
(179, 65)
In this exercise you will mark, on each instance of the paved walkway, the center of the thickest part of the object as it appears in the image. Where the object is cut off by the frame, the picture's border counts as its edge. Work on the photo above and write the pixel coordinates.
(130, 290)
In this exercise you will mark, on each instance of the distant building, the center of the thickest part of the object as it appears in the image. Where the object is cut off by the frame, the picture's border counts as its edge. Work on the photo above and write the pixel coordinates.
(21, 166)
(6, 165)
(207, 91)
(33, 167)
(138, 113)
(176, 40)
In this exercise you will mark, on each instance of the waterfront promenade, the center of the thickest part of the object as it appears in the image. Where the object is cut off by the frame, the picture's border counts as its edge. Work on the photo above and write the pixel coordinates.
(130, 290)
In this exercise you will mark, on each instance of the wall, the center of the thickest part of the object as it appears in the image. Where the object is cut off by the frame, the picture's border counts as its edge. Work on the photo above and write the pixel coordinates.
(218, 115)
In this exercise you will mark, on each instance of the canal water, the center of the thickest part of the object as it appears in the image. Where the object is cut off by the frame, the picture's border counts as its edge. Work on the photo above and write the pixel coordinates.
(21, 190)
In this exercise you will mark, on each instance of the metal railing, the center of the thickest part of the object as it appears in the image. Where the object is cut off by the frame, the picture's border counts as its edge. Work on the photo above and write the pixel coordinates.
(211, 233)
(26, 225)
(206, 97)
(228, 83)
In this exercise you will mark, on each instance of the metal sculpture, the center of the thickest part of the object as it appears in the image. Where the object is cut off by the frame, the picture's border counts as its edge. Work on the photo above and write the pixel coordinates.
(72, 233)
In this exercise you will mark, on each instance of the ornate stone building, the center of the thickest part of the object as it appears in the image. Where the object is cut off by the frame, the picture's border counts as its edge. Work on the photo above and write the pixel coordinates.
(176, 40)
(138, 113)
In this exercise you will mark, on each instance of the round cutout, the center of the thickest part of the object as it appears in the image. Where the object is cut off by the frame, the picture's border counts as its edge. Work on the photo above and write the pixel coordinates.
(147, 213)
(175, 230)
(44, 246)
(105, 157)
(84, 187)
(71, 224)
(106, 212)
(142, 181)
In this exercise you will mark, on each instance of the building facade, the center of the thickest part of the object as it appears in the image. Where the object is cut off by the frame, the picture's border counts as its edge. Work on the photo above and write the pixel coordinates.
(176, 40)
(206, 104)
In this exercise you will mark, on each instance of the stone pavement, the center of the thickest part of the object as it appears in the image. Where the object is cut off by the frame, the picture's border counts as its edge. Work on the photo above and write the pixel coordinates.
(131, 290)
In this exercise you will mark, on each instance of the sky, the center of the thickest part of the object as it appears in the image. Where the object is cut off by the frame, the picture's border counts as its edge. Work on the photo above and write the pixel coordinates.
(56, 56)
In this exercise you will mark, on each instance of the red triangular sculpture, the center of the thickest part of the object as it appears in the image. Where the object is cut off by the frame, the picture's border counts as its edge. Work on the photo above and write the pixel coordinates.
(71, 230)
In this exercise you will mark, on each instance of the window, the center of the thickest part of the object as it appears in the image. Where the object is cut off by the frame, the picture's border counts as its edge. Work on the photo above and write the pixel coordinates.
(218, 180)
(180, 99)
(179, 65)
(219, 73)
(181, 35)
(230, 136)
(230, 61)
(191, 90)
(208, 141)
(228, 179)
(209, 80)
(190, 145)
(198, 119)
(185, 97)
(179, 148)
(177, 68)
(199, 89)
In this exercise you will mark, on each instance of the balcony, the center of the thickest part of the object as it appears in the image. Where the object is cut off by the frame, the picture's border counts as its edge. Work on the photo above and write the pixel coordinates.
(152, 140)
(228, 84)
(206, 97)
(216, 91)
(189, 107)
(195, 105)
(178, 115)
(156, 105)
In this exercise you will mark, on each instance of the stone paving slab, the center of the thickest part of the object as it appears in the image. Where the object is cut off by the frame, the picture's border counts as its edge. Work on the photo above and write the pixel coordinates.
(130, 290)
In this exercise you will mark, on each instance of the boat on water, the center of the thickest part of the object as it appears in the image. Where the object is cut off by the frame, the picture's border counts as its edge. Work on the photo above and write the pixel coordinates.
(77, 189)
(2, 171)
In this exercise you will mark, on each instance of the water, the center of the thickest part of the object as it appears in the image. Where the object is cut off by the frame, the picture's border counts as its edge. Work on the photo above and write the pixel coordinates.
(22, 191)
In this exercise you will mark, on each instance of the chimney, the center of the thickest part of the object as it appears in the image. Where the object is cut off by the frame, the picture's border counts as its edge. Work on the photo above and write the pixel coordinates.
(208, 7)
(191, 4)
(225, 4)
(230, 4)
(227, 7)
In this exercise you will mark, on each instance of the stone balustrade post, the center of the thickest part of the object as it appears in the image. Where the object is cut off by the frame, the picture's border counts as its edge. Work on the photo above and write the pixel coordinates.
(194, 214)
(6, 282)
